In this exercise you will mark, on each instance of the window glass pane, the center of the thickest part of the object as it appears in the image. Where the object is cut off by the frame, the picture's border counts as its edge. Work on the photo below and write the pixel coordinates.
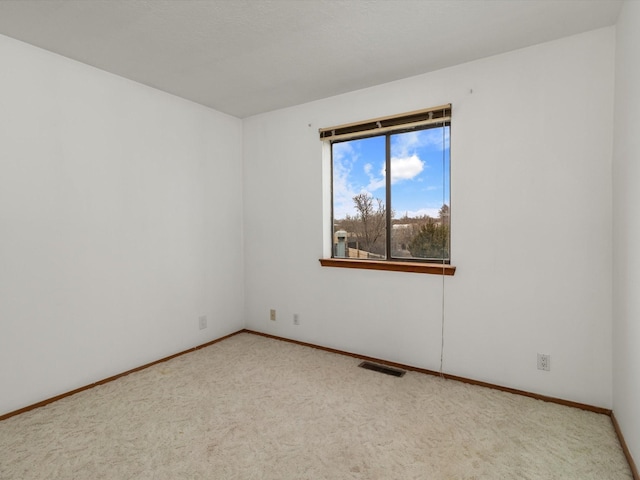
(420, 196)
(359, 226)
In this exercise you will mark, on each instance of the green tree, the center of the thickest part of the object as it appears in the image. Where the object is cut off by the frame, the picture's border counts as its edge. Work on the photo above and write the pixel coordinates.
(431, 241)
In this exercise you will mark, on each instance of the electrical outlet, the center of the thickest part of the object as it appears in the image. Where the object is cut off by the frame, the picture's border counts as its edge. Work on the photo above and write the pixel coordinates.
(272, 315)
(202, 322)
(544, 362)
(296, 319)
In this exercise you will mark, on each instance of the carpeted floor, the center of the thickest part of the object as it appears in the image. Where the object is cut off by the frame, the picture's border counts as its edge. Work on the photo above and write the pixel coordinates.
(250, 407)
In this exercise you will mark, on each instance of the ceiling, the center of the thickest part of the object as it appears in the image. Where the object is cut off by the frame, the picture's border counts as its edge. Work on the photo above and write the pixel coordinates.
(244, 57)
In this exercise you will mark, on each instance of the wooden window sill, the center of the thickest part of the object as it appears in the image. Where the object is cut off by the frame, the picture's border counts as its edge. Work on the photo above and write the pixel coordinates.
(413, 267)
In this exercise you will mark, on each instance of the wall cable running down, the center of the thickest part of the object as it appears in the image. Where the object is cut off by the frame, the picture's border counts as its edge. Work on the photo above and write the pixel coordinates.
(444, 240)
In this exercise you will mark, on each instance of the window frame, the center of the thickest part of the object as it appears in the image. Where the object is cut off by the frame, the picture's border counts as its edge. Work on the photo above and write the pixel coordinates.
(386, 127)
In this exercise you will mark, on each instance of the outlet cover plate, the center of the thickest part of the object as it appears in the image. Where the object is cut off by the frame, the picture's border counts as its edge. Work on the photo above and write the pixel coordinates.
(544, 362)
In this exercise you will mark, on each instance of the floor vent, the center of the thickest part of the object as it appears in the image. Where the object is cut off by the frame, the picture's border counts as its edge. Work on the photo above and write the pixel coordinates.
(382, 369)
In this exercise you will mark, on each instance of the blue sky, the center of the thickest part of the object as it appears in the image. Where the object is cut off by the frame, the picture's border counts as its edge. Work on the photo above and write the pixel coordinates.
(416, 172)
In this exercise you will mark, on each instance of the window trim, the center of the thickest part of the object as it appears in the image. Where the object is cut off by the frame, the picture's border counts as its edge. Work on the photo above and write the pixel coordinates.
(390, 265)
(417, 119)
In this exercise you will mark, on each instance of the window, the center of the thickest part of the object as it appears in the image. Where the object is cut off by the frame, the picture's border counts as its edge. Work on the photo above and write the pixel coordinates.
(391, 188)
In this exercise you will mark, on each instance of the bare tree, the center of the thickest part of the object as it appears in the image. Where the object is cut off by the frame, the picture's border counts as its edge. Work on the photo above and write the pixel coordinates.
(443, 214)
(371, 224)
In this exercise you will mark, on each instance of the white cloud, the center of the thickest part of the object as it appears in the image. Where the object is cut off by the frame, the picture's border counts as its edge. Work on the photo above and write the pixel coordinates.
(344, 157)
(401, 169)
(406, 143)
(436, 137)
(432, 212)
(375, 184)
(343, 150)
(405, 168)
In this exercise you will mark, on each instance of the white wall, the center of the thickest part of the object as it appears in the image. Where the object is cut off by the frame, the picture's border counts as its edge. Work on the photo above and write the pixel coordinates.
(121, 206)
(531, 219)
(120, 224)
(626, 223)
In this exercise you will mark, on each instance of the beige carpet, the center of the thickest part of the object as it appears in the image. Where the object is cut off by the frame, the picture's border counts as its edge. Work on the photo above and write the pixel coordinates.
(256, 408)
